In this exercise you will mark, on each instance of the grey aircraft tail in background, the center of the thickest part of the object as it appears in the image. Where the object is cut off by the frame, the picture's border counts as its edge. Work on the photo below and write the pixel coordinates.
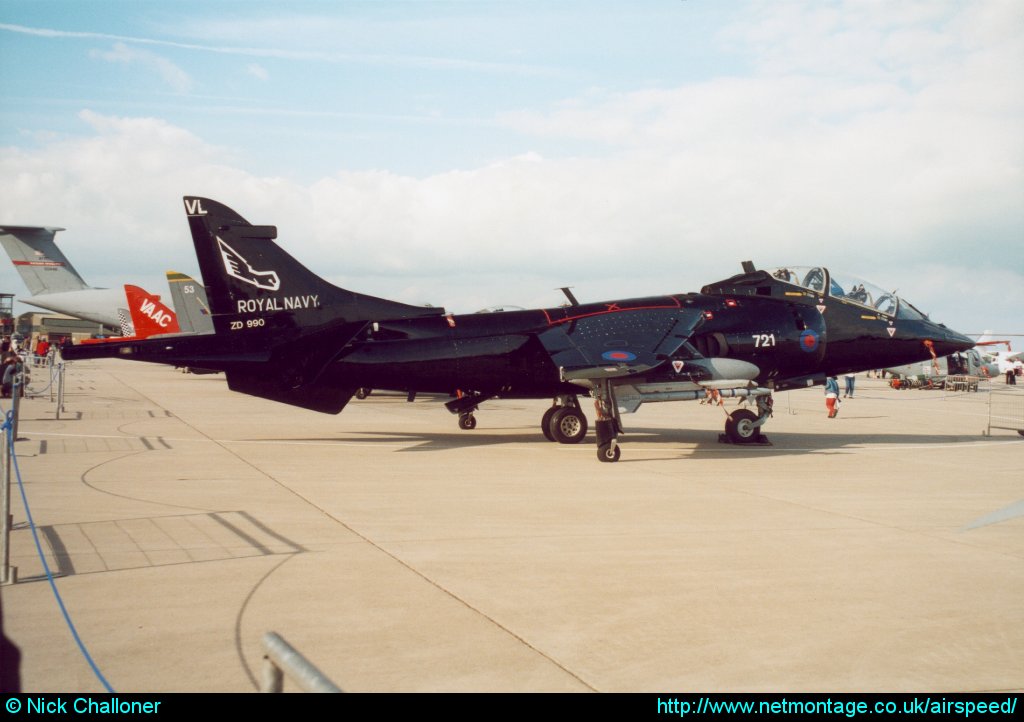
(54, 283)
(188, 297)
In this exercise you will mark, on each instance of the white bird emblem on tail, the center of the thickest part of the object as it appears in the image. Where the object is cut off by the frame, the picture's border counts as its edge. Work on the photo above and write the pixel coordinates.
(238, 267)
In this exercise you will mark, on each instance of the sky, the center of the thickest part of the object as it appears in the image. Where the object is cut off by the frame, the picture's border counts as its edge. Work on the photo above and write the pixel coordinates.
(479, 153)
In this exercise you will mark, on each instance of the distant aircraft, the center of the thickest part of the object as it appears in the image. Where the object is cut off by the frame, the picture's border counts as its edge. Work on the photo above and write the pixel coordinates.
(194, 315)
(150, 317)
(961, 363)
(284, 334)
(1004, 360)
(189, 299)
(55, 284)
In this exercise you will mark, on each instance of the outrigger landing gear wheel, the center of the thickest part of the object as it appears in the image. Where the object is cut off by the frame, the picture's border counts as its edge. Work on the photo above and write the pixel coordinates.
(467, 421)
(568, 425)
(609, 452)
(740, 427)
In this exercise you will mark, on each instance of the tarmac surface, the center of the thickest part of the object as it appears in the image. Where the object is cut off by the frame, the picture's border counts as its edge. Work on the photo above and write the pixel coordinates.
(879, 551)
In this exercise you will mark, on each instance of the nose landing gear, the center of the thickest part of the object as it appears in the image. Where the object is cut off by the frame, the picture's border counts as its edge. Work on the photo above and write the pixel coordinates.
(607, 424)
(743, 426)
(739, 427)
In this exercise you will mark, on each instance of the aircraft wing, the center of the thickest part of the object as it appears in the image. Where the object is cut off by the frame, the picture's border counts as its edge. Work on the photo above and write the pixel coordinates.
(621, 342)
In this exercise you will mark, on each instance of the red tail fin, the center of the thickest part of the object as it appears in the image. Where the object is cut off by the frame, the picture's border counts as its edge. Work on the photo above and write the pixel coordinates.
(149, 315)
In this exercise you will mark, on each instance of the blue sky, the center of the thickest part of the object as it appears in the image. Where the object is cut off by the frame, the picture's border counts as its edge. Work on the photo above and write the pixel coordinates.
(476, 153)
(413, 87)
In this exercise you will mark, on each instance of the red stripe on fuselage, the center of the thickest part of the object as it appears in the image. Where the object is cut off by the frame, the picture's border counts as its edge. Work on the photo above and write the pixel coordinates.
(610, 308)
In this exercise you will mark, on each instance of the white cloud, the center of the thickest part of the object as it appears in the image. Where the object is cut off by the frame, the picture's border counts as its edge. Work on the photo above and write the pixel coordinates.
(175, 77)
(115, 191)
(858, 126)
(506, 233)
(257, 71)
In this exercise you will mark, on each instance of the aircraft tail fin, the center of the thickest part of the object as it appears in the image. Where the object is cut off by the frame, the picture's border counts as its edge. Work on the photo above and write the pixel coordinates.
(283, 324)
(145, 316)
(254, 285)
(149, 315)
(190, 303)
(278, 327)
(42, 266)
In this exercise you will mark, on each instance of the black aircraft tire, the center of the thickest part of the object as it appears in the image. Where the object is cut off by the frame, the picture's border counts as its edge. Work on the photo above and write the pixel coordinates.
(545, 423)
(568, 425)
(362, 393)
(608, 453)
(740, 427)
(467, 422)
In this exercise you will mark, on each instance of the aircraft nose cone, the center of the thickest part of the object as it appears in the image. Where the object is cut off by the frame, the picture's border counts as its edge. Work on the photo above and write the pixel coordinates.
(948, 341)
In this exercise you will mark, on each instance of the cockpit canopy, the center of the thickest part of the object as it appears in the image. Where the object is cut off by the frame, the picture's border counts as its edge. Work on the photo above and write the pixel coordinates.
(847, 287)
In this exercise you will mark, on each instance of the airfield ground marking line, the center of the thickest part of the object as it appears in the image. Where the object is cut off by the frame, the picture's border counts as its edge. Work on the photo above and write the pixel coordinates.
(241, 613)
(83, 478)
(378, 547)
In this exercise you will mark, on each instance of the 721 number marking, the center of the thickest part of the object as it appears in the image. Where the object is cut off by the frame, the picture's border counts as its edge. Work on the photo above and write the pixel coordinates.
(762, 340)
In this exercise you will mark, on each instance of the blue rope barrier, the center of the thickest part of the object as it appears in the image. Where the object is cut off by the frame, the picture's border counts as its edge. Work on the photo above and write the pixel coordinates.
(39, 392)
(7, 428)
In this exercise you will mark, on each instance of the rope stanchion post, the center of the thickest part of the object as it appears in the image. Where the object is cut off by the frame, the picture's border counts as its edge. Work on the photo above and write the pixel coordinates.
(60, 388)
(8, 574)
(16, 388)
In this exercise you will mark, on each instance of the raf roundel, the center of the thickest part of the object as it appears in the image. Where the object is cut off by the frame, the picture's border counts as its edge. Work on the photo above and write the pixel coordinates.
(809, 341)
(618, 356)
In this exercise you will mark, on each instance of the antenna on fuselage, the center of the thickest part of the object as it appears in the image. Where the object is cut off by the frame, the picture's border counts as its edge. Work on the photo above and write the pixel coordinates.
(748, 267)
(568, 294)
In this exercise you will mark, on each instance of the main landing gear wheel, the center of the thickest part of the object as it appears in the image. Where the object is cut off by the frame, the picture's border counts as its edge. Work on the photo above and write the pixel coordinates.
(545, 422)
(467, 421)
(609, 452)
(740, 427)
(362, 393)
(568, 425)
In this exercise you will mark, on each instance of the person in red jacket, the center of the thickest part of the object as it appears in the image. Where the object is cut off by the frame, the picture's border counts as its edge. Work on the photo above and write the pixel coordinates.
(42, 347)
